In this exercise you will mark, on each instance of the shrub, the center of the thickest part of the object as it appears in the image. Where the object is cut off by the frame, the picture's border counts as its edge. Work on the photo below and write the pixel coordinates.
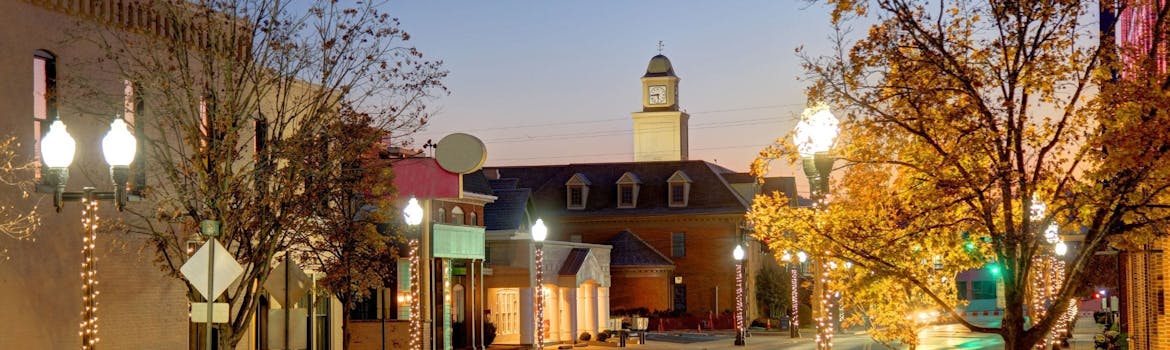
(585, 336)
(489, 333)
(458, 335)
(603, 336)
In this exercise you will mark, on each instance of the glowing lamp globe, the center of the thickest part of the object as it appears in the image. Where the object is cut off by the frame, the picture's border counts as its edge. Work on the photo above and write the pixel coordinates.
(57, 147)
(119, 145)
(1038, 208)
(1061, 248)
(539, 231)
(816, 131)
(737, 253)
(786, 257)
(1052, 235)
(801, 256)
(413, 212)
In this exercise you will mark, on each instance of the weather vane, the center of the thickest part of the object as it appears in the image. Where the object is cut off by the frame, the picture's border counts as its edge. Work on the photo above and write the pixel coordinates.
(660, 47)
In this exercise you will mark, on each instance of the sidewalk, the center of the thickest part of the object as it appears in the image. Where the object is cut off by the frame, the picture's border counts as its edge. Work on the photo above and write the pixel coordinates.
(1083, 332)
(718, 339)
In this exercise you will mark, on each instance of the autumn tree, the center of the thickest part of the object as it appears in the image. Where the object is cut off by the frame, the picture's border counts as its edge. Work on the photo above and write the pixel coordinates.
(351, 239)
(773, 292)
(958, 117)
(17, 220)
(235, 92)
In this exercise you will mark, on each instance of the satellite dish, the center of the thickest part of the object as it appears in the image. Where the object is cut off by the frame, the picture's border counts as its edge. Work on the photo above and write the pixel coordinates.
(460, 153)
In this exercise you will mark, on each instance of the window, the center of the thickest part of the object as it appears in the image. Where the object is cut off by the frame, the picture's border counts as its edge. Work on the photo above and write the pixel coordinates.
(678, 244)
(577, 189)
(576, 196)
(680, 189)
(982, 290)
(627, 196)
(474, 220)
(44, 100)
(457, 215)
(627, 190)
(321, 311)
(442, 216)
(961, 290)
(366, 309)
(133, 108)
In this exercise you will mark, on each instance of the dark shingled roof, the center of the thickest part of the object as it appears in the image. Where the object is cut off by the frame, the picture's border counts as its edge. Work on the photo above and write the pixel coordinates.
(476, 182)
(709, 194)
(504, 184)
(574, 261)
(507, 212)
(631, 250)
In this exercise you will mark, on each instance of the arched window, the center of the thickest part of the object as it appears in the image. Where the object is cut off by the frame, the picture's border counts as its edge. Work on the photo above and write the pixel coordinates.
(457, 216)
(442, 216)
(474, 220)
(44, 99)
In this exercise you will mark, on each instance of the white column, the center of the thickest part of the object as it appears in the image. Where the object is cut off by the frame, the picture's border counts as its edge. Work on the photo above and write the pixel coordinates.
(594, 308)
(603, 307)
(527, 316)
(571, 302)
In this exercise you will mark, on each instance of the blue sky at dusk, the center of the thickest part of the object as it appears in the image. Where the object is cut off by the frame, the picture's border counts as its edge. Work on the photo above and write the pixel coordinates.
(554, 82)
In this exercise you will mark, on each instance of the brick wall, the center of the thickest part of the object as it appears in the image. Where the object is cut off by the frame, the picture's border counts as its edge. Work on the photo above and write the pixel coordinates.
(138, 307)
(707, 262)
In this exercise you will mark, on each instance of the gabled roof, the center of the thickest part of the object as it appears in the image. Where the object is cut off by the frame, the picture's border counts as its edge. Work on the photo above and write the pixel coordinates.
(574, 261)
(507, 212)
(631, 250)
(710, 192)
(476, 182)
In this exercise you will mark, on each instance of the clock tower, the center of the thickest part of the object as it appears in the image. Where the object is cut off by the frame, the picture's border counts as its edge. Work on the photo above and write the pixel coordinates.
(660, 129)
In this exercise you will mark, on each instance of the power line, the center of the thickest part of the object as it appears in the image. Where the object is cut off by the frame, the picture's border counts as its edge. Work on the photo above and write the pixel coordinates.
(624, 153)
(579, 122)
(619, 132)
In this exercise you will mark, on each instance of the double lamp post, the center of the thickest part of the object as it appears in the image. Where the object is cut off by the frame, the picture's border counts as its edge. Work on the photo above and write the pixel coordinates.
(57, 151)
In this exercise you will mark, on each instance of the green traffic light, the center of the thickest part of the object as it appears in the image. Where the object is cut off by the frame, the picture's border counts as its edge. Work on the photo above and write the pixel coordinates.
(994, 269)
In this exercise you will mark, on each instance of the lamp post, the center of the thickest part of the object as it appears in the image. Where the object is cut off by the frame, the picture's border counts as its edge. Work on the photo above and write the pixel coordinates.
(413, 215)
(814, 136)
(57, 150)
(539, 233)
(737, 254)
(794, 315)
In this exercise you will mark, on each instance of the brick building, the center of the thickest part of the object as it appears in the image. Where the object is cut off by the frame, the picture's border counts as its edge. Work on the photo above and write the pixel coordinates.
(672, 222)
(43, 64)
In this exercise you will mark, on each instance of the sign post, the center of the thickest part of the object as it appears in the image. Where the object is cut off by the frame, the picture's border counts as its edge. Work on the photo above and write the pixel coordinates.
(206, 282)
(210, 228)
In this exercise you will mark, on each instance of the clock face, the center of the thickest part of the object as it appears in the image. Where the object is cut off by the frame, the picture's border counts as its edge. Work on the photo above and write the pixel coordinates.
(657, 94)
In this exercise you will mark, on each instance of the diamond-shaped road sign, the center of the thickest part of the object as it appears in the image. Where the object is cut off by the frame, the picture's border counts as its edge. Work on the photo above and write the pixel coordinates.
(297, 284)
(227, 270)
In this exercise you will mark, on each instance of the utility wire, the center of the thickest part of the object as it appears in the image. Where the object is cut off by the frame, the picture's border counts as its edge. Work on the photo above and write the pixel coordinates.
(579, 122)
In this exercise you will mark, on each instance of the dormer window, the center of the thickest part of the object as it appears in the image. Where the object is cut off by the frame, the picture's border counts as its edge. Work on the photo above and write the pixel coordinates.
(577, 192)
(627, 190)
(680, 189)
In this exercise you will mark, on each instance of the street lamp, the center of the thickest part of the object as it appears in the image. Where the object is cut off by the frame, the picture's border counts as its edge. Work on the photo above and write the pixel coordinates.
(57, 151)
(539, 233)
(413, 215)
(737, 254)
(814, 136)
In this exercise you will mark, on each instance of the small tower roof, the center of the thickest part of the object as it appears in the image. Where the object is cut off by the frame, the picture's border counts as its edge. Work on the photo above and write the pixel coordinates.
(659, 67)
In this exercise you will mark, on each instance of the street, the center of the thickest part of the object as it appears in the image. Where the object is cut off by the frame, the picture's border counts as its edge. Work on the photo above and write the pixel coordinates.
(951, 336)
